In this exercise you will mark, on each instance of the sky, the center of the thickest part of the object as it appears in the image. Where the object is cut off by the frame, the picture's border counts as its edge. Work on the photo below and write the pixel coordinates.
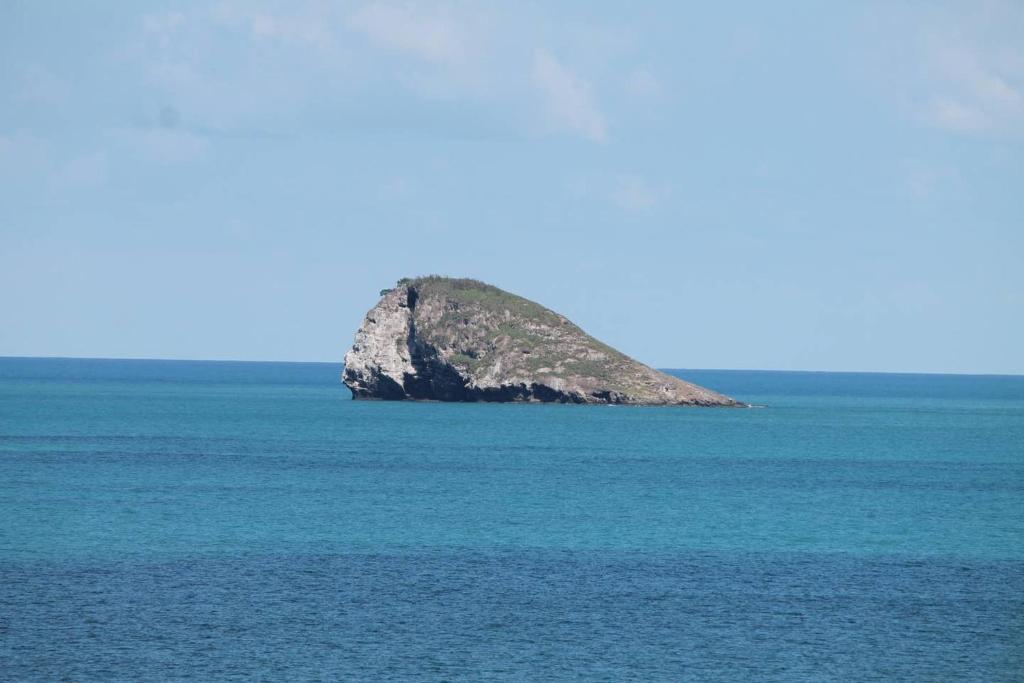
(750, 185)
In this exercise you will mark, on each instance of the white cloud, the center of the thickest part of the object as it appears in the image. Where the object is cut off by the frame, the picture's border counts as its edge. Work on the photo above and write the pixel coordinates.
(956, 115)
(84, 172)
(38, 85)
(431, 37)
(567, 98)
(978, 93)
(270, 62)
(395, 189)
(311, 26)
(643, 84)
(927, 180)
(633, 193)
(275, 60)
(162, 28)
(36, 161)
(165, 146)
(23, 154)
(973, 71)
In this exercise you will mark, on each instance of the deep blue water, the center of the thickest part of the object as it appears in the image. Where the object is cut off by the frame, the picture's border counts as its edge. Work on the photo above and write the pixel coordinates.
(169, 520)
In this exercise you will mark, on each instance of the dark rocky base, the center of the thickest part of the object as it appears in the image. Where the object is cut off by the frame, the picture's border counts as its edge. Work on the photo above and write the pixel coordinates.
(451, 390)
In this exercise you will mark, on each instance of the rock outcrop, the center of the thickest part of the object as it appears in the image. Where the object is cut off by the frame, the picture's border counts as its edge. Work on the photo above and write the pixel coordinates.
(446, 339)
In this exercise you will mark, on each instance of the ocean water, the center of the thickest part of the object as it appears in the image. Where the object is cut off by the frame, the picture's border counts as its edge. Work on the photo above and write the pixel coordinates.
(246, 521)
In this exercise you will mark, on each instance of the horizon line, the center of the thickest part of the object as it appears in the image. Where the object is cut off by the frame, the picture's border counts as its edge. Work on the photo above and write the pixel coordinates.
(340, 362)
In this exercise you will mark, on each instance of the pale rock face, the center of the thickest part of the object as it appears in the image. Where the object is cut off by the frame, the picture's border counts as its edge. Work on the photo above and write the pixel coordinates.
(379, 360)
(461, 340)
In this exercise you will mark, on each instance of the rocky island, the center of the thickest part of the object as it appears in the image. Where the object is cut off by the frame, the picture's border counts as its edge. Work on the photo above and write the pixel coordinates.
(446, 339)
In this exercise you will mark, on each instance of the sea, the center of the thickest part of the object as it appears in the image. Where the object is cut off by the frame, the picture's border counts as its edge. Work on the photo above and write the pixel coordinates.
(212, 521)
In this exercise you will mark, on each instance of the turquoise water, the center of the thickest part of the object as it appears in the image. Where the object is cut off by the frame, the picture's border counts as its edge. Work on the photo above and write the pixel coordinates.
(217, 521)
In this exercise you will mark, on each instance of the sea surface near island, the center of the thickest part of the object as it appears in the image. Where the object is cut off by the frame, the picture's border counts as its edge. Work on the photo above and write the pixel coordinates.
(165, 520)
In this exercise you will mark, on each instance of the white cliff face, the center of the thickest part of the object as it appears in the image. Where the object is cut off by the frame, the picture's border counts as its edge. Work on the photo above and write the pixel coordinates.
(461, 340)
(379, 360)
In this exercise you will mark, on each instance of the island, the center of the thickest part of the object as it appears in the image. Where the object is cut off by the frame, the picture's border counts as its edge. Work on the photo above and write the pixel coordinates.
(453, 339)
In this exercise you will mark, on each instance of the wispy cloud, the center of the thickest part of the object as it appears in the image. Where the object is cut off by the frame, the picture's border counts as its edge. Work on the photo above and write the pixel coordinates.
(306, 24)
(39, 85)
(162, 28)
(928, 180)
(969, 68)
(430, 36)
(24, 157)
(976, 90)
(567, 98)
(22, 153)
(163, 146)
(277, 61)
(88, 171)
(643, 83)
(633, 193)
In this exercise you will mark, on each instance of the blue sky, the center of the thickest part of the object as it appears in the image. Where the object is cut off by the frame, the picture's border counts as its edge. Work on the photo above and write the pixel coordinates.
(799, 185)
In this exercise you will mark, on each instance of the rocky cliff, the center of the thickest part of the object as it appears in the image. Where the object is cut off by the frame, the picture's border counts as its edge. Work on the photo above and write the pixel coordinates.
(448, 339)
